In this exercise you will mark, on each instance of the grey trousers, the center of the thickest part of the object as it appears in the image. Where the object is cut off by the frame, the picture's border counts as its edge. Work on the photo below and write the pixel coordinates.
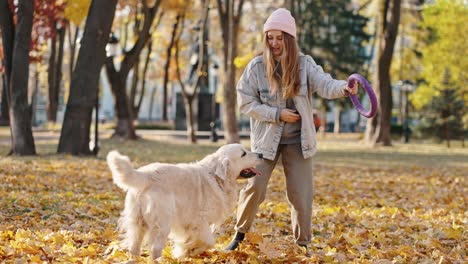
(299, 187)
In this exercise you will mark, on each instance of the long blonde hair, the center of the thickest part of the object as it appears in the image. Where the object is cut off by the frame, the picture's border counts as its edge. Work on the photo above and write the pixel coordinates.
(289, 81)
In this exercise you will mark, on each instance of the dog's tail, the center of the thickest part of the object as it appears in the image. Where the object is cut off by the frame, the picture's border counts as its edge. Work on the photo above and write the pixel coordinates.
(123, 173)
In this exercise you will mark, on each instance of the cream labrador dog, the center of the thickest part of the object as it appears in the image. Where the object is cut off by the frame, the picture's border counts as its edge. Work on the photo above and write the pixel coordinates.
(179, 201)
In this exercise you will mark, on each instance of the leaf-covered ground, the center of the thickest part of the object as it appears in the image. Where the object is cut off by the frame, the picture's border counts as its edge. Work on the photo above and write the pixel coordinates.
(404, 204)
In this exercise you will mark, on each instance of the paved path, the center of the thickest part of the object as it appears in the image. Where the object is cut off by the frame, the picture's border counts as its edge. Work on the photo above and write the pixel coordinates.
(41, 135)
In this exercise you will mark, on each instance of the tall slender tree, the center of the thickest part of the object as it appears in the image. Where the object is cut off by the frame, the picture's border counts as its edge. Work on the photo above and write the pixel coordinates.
(191, 87)
(49, 25)
(167, 64)
(75, 135)
(75, 12)
(17, 44)
(230, 14)
(118, 77)
(442, 117)
(55, 71)
(378, 127)
(142, 81)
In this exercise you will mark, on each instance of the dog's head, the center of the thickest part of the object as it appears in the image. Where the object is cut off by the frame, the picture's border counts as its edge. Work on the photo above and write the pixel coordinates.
(236, 161)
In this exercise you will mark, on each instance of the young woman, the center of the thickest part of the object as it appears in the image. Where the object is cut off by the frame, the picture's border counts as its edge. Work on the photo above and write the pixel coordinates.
(276, 90)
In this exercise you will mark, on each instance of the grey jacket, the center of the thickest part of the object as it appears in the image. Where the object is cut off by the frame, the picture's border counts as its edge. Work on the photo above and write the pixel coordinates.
(255, 99)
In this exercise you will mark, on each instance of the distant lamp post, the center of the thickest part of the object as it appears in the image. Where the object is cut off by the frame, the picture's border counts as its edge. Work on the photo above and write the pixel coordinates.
(406, 87)
(215, 72)
(111, 51)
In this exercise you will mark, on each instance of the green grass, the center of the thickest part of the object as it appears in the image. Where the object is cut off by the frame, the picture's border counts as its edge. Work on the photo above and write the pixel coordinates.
(352, 152)
(343, 150)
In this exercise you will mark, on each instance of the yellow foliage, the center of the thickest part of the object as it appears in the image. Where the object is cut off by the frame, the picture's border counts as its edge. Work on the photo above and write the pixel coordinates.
(452, 233)
(446, 21)
(330, 210)
(77, 10)
(281, 208)
(423, 95)
(242, 61)
(175, 5)
(254, 238)
(64, 209)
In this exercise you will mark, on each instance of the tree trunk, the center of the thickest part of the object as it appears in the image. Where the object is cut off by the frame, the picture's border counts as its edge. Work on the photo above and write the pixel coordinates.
(8, 38)
(134, 87)
(136, 108)
(447, 133)
(167, 66)
(125, 127)
(201, 71)
(34, 95)
(52, 103)
(357, 127)
(55, 73)
(4, 118)
(59, 63)
(323, 126)
(151, 103)
(337, 126)
(72, 42)
(75, 135)
(378, 128)
(230, 21)
(189, 120)
(20, 115)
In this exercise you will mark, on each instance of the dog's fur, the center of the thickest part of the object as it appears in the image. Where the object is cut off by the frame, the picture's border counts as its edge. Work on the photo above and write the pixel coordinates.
(179, 201)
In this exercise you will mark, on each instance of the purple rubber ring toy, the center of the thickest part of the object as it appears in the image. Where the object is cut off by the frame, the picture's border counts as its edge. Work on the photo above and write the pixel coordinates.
(373, 99)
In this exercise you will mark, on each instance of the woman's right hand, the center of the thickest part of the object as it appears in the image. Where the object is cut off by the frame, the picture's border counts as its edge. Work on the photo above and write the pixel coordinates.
(289, 116)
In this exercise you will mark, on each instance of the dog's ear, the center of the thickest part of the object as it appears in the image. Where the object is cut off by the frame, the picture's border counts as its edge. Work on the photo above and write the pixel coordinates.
(222, 168)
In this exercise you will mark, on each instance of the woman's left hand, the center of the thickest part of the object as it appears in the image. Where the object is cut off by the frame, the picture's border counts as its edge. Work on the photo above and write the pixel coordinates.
(353, 90)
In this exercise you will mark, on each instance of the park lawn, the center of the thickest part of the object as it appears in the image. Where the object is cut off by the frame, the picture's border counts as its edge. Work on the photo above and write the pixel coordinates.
(404, 204)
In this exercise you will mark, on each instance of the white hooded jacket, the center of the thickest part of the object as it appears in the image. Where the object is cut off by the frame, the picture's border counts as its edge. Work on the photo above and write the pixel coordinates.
(256, 100)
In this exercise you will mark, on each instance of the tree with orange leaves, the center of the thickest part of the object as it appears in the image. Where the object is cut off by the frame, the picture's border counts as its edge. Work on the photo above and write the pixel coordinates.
(16, 39)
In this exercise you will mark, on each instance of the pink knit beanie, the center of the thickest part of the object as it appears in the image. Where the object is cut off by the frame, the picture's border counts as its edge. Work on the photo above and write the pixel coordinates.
(281, 19)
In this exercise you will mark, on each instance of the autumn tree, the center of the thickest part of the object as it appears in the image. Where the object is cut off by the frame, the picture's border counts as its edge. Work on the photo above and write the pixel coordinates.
(169, 52)
(442, 117)
(442, 95)
(333, 33)
(378, 127)
(75, 12)
(230, 14)
(190, 88)
(16, 45)
(118, 76)
(138, 88)
(406, 62)
(50, 25)
(75, 135)
(138, 74)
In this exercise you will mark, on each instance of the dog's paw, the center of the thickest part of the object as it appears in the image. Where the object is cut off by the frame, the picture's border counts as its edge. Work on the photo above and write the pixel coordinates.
(179, 252)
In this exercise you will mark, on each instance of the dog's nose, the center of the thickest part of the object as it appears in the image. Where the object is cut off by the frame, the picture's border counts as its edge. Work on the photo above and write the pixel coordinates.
(260, 155)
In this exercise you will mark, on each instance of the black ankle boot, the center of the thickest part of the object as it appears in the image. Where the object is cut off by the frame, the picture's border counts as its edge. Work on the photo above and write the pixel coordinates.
(238, 238)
